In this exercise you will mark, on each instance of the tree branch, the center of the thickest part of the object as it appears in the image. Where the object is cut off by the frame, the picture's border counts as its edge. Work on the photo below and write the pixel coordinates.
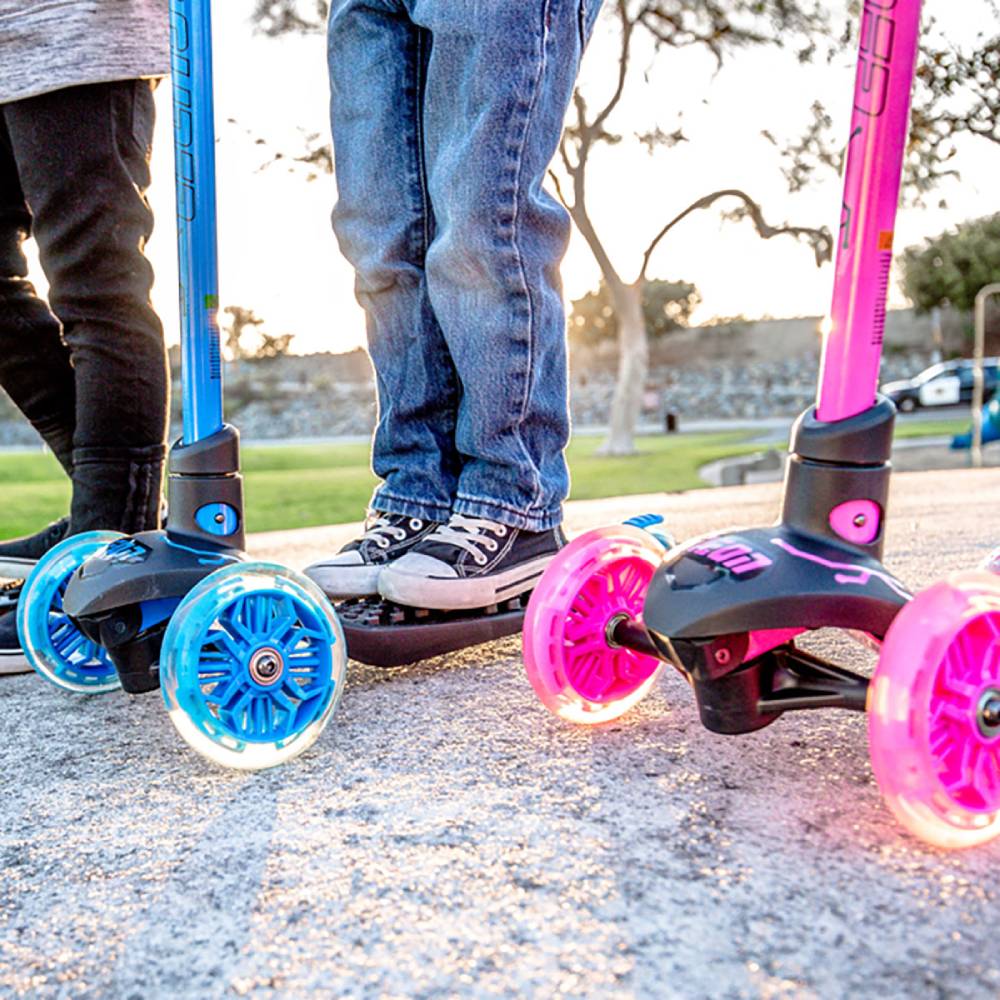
(557, 184)
(819, 239)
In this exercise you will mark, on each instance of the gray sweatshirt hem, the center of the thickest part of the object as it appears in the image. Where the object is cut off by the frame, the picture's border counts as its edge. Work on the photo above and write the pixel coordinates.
(48, 45)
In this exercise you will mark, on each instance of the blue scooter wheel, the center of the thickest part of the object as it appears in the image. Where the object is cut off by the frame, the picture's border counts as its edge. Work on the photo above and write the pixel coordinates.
(252, 666)
(53, 645)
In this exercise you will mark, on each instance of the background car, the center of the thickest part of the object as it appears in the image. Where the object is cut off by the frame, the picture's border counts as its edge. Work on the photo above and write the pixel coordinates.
(949, 383)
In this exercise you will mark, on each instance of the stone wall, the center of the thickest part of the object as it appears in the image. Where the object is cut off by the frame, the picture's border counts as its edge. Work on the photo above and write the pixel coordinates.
(740, 370)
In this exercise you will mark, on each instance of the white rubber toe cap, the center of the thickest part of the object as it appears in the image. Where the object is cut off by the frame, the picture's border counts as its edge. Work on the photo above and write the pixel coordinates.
(345, 575)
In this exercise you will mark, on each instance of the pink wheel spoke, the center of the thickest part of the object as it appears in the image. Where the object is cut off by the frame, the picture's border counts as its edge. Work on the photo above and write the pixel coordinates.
(578, 631)
(969, 658)
(990, 672)
(967, 765)
(949, 710)
(583, 603)
(634, 585)
(985, 774)
(588, 647)
(620, 590)
(589, 675)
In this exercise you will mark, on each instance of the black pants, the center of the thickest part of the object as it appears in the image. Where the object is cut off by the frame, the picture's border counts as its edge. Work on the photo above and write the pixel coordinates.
(89, 368)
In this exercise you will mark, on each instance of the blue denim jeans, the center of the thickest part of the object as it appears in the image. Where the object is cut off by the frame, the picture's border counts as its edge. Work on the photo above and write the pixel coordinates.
(446, 114)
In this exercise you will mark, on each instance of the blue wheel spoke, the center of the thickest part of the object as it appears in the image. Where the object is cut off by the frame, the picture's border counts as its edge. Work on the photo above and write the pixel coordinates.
(235, 649)
(265, 711)
(234, 620)
(68, 640)
(279, 697)
(222, 694)
(234, 710)
(282, 626)
(226, 700)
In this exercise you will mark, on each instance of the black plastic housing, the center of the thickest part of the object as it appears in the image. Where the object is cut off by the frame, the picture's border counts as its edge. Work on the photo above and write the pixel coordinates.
(711, 596)
(206, 472)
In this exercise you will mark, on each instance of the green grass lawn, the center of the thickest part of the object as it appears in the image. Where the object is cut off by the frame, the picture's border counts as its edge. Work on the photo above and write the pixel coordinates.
(931, 428)
(296, 487)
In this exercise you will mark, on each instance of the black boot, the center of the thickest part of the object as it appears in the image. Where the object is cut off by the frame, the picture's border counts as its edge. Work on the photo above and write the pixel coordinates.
(117, 489)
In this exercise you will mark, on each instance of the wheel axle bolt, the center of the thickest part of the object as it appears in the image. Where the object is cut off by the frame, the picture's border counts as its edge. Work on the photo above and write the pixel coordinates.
(266, 666)
(860, 520)
(722, 656)
(989, 713)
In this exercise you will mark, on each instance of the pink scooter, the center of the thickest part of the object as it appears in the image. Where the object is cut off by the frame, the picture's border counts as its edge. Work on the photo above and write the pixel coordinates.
(724, 610)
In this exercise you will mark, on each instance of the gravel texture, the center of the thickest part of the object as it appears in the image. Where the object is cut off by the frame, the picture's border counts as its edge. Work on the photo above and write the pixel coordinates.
(447, 837)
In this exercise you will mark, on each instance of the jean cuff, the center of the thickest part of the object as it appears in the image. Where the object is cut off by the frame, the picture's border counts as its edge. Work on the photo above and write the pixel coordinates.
(387, 503)
(502, 513)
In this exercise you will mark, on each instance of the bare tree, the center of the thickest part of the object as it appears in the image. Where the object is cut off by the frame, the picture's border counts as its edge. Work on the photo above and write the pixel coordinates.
(957, 94)
(264, 346)
(277, 17)
(241, 320)
(719, 26)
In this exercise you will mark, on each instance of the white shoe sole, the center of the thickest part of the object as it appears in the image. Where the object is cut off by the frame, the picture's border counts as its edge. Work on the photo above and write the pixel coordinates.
(13, 661)
(16, 569)
(415, 590)
(340, 583)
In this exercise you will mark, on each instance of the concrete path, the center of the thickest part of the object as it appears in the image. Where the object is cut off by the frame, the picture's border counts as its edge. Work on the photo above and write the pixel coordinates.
(447, 837)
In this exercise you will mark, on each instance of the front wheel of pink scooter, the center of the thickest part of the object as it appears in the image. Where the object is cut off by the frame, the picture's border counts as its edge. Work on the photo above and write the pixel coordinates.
(571, 661)
(934, 713)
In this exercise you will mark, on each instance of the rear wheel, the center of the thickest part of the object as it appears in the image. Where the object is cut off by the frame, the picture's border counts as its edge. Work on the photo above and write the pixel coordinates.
(52, 643)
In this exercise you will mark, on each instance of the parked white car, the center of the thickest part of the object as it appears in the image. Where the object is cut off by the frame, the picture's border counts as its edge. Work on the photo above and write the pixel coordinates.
(946, 384)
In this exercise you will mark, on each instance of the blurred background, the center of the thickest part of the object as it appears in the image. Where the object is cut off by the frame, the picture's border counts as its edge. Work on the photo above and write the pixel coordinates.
(711, 189)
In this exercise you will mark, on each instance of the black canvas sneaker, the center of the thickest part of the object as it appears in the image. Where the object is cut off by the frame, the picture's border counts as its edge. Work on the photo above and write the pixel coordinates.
(469, 563)
(19, 555)
(12, 658)
(355, 569)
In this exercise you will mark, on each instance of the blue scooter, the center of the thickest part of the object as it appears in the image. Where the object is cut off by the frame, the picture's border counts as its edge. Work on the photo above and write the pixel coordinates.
(250, 657)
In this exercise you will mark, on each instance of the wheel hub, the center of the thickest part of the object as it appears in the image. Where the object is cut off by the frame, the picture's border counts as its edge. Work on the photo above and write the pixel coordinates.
(609, 630)
(266, 666)
(988, 713)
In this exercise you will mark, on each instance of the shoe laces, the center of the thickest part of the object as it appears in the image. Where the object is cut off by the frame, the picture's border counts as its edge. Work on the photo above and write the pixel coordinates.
(471, 534)
(387, 526)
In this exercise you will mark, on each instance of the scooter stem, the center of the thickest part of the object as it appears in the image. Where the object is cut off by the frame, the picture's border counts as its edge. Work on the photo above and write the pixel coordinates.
(852, 350)
(194, 152)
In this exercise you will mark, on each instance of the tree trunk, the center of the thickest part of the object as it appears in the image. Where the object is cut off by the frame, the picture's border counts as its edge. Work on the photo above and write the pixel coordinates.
(633, 367)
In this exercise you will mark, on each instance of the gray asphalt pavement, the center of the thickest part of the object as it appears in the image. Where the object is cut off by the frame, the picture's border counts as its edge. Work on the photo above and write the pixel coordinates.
(447, 837)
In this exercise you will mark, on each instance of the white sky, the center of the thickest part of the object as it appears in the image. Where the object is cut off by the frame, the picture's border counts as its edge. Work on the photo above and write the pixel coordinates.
(279, 258)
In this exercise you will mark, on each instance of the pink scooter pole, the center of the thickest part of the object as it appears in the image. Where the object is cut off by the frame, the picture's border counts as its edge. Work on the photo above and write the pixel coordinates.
(890, 31)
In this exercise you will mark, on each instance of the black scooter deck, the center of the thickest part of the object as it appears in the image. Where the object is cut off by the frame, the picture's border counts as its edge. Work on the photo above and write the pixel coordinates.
(382, 634)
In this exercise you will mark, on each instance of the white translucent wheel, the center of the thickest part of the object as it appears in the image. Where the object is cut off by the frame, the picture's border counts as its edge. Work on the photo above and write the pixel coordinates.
(252, 666)
(53, 645)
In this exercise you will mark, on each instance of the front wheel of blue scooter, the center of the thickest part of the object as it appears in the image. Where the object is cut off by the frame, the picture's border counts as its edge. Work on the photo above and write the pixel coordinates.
(252, 666)
(53, 645)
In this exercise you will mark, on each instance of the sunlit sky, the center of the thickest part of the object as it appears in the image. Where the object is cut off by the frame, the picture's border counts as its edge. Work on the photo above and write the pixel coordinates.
(278, 255)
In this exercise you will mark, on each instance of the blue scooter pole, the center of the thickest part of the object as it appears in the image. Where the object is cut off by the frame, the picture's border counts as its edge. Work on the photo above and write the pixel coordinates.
(205, 491)
(194, 152)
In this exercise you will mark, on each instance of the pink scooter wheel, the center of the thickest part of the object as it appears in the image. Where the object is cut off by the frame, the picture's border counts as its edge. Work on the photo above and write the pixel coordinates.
(574, 668)
(934, 712)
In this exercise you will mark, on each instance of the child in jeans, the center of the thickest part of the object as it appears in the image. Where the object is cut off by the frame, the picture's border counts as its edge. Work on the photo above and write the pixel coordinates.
(88, 368)
(446, 114)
